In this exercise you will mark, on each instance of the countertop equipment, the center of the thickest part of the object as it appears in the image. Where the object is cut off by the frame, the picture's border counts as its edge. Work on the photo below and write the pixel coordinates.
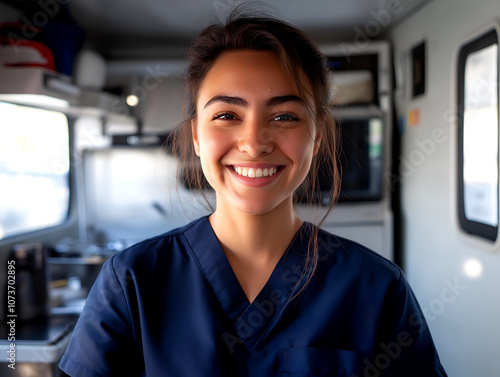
(31, 282)
(39, 346)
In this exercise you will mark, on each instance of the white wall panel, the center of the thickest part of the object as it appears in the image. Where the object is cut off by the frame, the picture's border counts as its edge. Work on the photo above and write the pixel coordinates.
(462, 311)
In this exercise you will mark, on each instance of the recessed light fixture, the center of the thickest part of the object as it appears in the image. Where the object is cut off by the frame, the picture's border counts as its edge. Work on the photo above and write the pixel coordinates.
(132, 100)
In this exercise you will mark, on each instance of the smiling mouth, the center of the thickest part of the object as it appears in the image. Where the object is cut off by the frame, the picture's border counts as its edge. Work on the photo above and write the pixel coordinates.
(256, 173)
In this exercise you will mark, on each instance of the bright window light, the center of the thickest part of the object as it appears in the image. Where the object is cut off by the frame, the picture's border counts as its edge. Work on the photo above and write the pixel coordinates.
(34, 169)
(478, 128)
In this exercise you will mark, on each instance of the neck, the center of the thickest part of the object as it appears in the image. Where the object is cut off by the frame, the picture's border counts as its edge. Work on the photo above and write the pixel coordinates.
(260, 238)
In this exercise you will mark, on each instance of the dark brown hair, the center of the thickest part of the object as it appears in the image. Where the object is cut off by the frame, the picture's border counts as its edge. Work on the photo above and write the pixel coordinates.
(300, 57)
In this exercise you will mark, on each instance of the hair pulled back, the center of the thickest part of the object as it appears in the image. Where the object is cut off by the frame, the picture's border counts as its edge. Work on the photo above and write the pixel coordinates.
(300, 58)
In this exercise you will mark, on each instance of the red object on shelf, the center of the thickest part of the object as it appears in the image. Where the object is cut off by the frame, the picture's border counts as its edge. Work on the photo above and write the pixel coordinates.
(16, 51)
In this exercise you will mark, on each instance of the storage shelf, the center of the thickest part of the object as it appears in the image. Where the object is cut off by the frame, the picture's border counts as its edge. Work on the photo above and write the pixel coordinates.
(93, 260)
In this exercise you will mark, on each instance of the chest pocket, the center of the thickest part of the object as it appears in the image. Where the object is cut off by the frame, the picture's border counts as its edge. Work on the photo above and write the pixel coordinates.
(321, 362)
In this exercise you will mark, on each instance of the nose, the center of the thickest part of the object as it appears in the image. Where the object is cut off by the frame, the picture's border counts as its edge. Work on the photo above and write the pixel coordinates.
(256, 140)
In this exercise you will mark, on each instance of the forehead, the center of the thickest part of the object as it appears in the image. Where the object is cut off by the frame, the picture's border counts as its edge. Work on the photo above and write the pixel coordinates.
(248, 71)
(246, 59)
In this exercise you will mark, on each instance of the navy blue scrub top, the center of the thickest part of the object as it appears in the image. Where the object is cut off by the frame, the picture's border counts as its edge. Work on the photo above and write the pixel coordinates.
(172, 306)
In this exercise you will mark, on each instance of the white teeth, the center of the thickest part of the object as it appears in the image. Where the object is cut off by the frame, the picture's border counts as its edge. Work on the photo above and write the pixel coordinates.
(255, 173)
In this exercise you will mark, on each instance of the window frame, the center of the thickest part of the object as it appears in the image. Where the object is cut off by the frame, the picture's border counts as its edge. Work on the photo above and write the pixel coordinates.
(482, 41)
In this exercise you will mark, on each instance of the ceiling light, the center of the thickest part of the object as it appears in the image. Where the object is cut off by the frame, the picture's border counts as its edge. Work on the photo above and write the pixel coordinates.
(132, 100)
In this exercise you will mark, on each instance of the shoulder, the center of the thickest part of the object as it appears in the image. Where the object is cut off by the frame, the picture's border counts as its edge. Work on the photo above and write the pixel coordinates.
(342, 253)
(172, 244)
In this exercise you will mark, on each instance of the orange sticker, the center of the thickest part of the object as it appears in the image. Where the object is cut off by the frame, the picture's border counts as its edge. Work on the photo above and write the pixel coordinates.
(414, 118)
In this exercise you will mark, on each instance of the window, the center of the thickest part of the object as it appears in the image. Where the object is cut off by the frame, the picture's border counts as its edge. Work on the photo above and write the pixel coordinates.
(478, 136)
(34, 169)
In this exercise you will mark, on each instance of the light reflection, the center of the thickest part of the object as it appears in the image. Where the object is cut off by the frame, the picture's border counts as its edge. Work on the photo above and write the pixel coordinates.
(473, 268)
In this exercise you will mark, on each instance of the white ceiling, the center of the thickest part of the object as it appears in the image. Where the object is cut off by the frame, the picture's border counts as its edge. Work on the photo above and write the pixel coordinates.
(159, 28)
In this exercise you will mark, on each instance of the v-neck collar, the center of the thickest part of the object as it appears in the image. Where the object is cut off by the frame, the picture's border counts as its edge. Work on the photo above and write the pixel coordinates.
(250, 320)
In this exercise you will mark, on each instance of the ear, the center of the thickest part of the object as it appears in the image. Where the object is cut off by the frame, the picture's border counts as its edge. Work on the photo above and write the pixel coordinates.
(194, 132)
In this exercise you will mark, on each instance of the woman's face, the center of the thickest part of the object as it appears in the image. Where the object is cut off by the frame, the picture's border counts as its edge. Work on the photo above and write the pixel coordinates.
(252, 132)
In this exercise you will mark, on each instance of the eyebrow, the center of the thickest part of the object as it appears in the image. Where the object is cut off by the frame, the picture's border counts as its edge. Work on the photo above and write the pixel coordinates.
(238, 101)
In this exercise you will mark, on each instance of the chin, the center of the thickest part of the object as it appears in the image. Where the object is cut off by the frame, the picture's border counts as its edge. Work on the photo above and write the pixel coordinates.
(258, 207)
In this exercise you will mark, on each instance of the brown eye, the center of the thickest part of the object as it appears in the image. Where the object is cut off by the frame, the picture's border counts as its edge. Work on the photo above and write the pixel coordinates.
(224, 116)
(286, 118)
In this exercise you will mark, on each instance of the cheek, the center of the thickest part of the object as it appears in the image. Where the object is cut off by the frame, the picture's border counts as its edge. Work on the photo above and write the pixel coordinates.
(300, 147)
(212, 145)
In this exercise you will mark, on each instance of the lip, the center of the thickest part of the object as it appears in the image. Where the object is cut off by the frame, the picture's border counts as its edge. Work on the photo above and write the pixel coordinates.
(256, 182)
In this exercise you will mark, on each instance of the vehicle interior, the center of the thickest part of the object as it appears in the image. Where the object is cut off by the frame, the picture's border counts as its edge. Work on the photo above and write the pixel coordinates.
(90, 91)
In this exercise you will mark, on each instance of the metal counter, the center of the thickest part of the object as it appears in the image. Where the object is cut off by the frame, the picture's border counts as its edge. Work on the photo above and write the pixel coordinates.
(39, 346)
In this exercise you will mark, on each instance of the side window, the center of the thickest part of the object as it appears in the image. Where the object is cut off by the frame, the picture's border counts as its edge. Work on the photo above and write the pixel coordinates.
(34, 169)
(478, 136)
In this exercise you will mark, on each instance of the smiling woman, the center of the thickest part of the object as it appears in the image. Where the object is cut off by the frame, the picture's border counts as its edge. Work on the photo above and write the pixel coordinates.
(267, 129)
(259, 291)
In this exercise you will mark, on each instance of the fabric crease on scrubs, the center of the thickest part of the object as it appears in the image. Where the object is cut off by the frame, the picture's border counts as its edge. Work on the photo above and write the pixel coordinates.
(172, 306)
